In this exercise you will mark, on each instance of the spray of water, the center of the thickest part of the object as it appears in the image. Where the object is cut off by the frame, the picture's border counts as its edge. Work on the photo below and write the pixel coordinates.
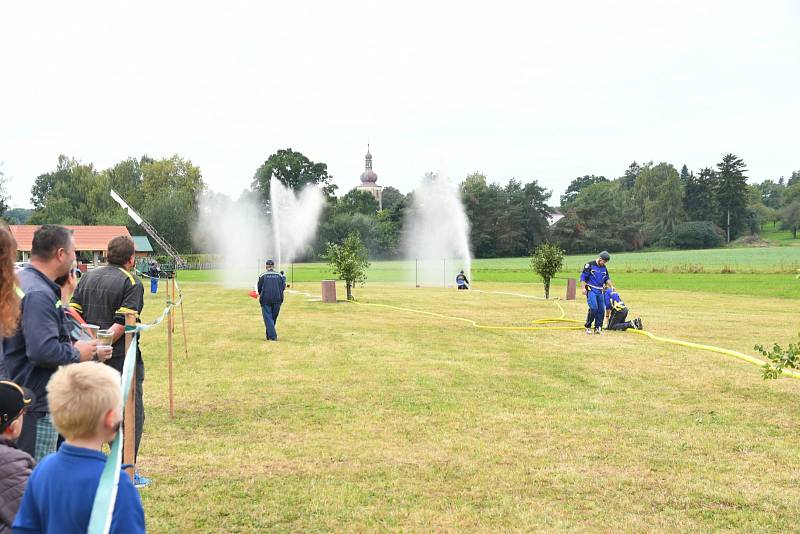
(436, 239)
(244, 235)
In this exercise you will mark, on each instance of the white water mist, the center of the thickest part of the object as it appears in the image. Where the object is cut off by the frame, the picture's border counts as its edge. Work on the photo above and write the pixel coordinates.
(244, 234)
(436, 236)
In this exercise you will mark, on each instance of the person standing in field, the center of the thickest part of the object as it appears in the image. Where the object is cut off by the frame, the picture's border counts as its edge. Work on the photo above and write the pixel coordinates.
(103, 298)
(270, 287)
(593, 279)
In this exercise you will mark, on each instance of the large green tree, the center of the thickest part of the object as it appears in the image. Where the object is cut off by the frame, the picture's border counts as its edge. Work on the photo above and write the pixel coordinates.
(294, 170)
(730, 192)
(580, 183)
(698, 198)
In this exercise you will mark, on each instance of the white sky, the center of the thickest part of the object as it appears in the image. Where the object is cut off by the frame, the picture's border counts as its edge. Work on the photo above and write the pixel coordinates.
(544, 90)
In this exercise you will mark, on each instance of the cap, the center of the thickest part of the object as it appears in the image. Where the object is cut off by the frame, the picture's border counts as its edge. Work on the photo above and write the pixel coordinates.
(604, 256)
(13, 399)
(270, 262)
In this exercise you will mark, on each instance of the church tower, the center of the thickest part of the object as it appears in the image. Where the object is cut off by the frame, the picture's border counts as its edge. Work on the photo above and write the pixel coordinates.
(369, 179)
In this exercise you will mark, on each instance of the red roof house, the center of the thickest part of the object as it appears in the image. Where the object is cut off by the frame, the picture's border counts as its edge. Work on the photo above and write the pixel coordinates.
(88, 239)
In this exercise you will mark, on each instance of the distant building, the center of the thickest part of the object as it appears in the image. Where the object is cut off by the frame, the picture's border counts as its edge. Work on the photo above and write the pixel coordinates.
(91, 242)
(555, 216)
(368, 179)
(142, 245)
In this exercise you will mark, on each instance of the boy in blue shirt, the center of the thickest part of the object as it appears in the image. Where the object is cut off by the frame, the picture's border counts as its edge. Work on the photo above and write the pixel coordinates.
(617, 312)
(86, 406)
(593, 279)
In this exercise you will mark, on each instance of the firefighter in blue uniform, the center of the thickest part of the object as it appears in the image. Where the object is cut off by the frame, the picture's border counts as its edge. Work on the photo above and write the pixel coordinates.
(270, 287)
(593, 279)
(617, 312)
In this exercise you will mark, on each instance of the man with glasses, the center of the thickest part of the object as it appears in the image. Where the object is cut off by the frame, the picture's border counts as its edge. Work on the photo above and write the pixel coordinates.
(42, 343)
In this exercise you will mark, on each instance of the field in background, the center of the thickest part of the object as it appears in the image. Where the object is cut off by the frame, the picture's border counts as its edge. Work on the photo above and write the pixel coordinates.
(757, 271)
(364, 418)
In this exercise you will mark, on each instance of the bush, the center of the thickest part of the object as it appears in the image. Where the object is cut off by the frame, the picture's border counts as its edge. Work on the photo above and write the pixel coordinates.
(696, 234)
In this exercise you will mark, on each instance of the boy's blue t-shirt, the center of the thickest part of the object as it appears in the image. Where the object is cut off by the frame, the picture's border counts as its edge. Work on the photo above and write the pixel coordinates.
(61, 491)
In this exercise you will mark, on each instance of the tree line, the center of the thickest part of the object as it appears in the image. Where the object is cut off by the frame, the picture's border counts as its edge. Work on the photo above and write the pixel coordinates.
(648, 205)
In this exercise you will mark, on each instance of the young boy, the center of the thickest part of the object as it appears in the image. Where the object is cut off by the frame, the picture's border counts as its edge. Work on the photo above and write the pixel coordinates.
(617, 312)
(15, 465)
(86, 406)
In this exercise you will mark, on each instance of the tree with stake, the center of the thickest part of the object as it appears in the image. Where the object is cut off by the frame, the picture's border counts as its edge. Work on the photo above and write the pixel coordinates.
(349, 261)
(546, 261)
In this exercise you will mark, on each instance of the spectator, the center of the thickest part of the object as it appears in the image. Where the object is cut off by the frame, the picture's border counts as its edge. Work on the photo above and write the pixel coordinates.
(86, 405)
(42, 342)
(9, 299)
(103, 298)
(15, 465)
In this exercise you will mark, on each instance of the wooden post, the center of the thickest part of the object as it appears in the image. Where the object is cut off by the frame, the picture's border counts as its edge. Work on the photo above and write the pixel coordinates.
(129, 443)
(170, 326)
(183, 326)
(571, 286)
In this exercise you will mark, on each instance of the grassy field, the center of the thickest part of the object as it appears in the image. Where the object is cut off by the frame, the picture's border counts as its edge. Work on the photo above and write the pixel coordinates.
(364, 418)
(728, 271)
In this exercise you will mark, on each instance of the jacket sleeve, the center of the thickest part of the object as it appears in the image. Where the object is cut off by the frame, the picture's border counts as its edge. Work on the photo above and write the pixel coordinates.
(260, 284)
(40, 326)
(27, 518)
(15, 477)
(587, 270)
(128, 511)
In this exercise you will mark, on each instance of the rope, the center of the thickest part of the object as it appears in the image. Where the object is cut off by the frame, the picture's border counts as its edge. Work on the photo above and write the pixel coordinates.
(562, 319)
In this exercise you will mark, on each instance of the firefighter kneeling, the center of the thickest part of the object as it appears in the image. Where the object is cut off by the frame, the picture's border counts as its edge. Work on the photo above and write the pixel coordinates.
(617, 312)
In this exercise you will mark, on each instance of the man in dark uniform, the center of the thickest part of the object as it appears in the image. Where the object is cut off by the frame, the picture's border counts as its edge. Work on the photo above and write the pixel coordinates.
(617, 312)
(593, 279)
(461, 280)
(103, 297)
(270, 287)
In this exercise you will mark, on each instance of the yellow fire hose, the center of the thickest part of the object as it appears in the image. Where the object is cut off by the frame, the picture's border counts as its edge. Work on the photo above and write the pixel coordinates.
(562, 319)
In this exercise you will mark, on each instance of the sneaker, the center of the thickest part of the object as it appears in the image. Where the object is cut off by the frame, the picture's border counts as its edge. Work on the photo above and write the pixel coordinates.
(598, 330)
(588, 331)
(639, 323)
(139, 481)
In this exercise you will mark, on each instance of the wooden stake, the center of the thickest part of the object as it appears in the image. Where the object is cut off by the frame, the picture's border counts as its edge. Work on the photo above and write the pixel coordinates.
(183, 326)
(170, 326)
(129, 443)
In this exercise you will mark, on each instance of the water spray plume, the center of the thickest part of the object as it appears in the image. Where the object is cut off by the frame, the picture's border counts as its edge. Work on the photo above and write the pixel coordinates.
(245, 234)
(436, 239)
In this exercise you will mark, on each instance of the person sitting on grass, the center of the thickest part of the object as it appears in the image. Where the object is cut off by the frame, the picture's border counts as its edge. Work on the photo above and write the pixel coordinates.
(86, 406)
(617, 312)
(461, 280)
(15, 465)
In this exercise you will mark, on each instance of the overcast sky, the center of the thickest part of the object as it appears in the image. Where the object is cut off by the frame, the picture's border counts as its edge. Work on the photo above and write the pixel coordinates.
(532, 90)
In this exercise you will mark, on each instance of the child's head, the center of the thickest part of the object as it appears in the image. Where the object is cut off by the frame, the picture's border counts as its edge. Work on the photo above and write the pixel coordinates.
(14, 400)
(85, 401)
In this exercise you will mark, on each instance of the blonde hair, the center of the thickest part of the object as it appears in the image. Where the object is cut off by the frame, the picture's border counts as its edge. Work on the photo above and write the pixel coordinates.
(80, 394)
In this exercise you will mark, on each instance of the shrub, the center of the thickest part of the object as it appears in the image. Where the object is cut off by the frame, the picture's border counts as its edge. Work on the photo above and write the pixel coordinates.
(696, 234)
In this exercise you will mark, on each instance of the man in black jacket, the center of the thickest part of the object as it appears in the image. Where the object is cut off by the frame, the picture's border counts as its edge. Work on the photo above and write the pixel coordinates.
(270, 287)
(42, 342)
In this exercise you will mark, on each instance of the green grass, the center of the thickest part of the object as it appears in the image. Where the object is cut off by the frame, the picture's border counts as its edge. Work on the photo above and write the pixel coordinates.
(765, 271)
(364, 419)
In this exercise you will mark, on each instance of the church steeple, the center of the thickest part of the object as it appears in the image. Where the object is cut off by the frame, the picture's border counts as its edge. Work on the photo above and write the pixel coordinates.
(368, 177)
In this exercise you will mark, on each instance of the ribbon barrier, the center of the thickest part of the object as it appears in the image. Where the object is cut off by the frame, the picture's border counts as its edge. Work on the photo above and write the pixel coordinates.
(106, 496)
(562, 319)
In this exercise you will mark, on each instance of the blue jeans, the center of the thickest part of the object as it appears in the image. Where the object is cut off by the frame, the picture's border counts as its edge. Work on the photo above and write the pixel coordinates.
(597, 308)
(270, 314)
(154, 285)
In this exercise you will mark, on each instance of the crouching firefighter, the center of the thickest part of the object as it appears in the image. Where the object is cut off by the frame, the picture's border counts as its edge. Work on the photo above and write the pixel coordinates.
(593, 279)
(617, 312)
